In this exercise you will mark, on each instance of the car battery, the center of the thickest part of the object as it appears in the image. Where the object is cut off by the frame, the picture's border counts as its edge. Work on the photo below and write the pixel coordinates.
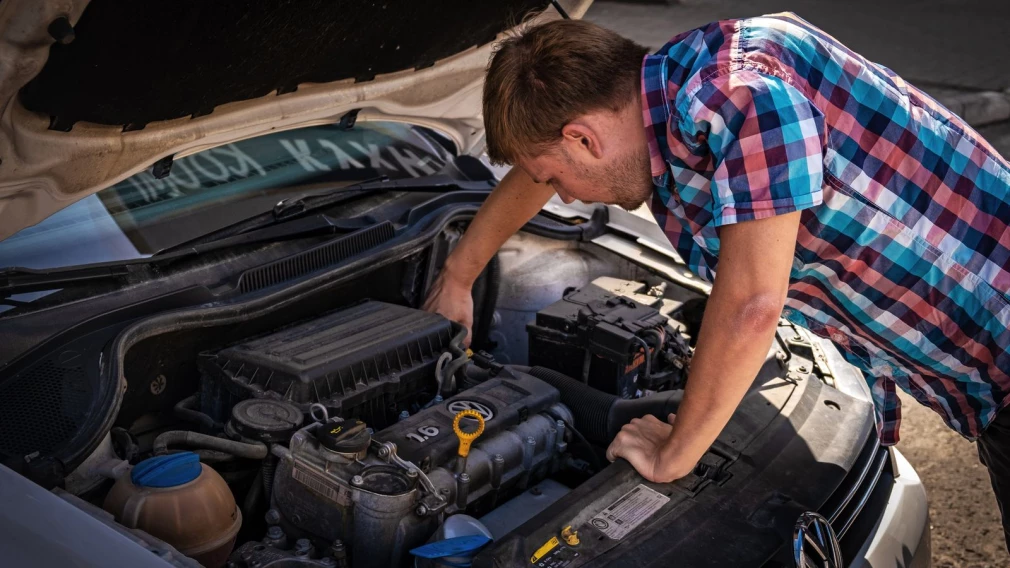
(596, 336)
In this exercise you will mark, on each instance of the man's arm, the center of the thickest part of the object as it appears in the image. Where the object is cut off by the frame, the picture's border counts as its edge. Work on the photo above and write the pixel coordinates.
(515, 201)
(736, 333)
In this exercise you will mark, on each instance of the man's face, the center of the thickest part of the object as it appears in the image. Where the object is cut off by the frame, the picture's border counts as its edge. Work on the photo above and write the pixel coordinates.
(619, 178)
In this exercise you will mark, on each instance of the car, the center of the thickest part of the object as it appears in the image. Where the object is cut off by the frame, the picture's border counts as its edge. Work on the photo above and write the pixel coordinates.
(218, 223)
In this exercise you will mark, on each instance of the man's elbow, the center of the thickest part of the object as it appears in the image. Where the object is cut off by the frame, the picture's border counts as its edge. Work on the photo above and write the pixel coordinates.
(759, 314)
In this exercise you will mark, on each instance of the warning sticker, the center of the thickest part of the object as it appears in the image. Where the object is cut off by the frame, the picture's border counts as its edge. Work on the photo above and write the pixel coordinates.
(547, 547)
(553, 554)
(631, 510)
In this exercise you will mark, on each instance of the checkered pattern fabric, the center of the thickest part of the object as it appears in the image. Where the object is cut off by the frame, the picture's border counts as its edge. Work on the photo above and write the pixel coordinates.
(903, 255)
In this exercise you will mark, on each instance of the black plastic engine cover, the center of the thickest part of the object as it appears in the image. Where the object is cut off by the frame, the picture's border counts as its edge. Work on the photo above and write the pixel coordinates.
(365, 361)
(427, 439)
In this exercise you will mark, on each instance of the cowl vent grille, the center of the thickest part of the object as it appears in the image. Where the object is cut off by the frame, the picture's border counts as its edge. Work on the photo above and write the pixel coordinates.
(315, 259)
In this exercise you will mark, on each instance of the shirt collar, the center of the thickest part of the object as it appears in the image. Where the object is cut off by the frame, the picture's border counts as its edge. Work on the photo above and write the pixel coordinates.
(655, 109)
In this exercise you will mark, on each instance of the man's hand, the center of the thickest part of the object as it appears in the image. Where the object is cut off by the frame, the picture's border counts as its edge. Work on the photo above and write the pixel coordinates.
(452, 298)
(639, 442)
(514, 202)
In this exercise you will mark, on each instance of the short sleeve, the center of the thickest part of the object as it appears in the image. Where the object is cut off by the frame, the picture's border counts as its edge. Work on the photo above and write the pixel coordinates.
(766, 141)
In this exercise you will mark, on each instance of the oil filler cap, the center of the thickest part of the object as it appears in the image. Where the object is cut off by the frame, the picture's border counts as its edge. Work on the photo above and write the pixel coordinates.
(166, 471)
(347, 437)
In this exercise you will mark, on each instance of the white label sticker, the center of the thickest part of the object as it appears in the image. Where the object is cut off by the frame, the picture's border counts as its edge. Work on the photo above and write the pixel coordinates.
(313, 483)
(631, 510)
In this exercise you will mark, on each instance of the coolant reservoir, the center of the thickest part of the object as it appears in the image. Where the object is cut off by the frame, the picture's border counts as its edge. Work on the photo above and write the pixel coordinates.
(181, 501)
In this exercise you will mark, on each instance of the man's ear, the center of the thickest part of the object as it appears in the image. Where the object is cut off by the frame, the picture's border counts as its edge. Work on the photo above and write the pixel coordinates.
(579, 137)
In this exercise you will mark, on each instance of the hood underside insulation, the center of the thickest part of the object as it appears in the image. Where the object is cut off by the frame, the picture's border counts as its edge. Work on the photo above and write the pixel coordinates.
(132, 63)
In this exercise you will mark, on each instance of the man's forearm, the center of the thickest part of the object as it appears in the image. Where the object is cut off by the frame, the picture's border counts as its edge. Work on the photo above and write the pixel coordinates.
(736, 333)
(510, 206)
(731, 349)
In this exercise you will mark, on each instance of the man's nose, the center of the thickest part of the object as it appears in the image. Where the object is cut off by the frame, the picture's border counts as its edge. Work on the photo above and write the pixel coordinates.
(565, 198)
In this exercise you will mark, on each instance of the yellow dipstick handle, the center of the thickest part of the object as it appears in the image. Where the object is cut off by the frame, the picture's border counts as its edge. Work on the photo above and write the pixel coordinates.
(467, 438)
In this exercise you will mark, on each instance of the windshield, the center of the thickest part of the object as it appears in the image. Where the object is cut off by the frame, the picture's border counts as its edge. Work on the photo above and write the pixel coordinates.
(215, 188)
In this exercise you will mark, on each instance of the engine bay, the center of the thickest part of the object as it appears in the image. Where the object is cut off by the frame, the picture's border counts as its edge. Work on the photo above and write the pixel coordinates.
(369, 435)
(321, 418)
(405, 428)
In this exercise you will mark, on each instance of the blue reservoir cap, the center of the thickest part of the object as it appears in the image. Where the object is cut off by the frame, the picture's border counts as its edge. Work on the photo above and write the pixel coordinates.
(166, 471)
(458, 546)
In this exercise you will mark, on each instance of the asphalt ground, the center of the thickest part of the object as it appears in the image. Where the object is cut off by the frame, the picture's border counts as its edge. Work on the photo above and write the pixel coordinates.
(944, 47)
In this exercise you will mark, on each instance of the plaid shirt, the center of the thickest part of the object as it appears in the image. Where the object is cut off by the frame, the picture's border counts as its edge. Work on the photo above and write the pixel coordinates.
(903, 253)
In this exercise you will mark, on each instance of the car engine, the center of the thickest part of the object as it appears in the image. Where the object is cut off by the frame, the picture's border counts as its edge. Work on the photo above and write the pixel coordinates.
(371, 437)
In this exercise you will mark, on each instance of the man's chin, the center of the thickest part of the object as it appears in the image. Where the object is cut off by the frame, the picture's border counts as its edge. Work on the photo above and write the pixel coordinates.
(630, 206)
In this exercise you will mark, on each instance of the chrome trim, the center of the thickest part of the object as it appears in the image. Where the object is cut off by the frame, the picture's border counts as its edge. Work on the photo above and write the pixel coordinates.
(880, 461)
(859, 483)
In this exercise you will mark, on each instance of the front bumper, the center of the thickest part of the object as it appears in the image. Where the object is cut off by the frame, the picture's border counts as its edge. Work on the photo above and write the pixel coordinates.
(901, 535)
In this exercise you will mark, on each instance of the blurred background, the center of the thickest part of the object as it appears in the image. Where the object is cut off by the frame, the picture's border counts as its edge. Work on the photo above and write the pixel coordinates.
(957, 51)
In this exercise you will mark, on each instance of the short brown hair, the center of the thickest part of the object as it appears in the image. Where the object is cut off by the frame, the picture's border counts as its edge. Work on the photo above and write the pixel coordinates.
(545, 76)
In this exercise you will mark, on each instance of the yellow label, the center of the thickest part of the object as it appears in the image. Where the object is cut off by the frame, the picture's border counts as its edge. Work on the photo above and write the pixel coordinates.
(547, 547)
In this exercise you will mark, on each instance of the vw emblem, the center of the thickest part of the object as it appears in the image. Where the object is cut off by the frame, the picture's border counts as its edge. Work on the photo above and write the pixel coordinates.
(814, 543)
(484, 410)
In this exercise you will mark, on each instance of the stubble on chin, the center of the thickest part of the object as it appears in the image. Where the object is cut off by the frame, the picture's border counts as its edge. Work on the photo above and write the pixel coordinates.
(631, 181)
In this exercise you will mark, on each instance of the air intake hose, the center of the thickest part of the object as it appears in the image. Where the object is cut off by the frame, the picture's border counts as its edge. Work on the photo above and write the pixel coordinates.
(600, 416)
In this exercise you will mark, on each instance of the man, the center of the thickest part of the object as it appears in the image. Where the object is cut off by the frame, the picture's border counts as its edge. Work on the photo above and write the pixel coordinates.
(818, 181)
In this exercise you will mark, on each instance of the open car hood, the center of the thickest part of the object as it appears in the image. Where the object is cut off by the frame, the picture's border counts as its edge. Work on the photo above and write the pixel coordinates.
(93, 92)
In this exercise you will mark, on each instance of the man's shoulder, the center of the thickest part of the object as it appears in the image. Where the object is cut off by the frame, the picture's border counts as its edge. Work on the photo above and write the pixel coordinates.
(772, 44)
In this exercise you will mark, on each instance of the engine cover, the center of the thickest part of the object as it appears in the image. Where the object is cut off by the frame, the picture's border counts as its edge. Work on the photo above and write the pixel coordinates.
(374, 500)
(367, 361)
(426, 438)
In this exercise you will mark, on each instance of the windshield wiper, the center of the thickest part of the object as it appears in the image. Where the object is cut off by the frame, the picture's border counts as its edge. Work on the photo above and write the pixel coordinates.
(290, 208)
(17, 280)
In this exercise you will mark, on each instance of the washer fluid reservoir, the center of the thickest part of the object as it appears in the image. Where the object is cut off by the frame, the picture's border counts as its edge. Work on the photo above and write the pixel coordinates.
(181, 501)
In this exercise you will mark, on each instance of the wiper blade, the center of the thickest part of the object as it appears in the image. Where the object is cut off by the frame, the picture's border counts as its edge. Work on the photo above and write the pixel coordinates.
(293, 206)
(287, 209)
(17, 280)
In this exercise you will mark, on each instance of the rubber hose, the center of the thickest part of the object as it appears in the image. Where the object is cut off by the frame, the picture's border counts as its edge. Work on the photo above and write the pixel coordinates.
(185, 410)
(600, 416)
(450, 374)
(267, 470)
(195, 439)
(489, 302)
(590, 407)
(473, 376)
(214, 457)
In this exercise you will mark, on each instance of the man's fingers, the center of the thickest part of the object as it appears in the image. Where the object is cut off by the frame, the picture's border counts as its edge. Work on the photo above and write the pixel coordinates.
(615, 447)
(671, 418)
